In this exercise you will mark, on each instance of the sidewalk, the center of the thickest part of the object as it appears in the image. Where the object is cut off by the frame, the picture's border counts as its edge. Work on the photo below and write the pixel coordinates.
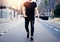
(3, 20)
(6, 26)
(55, 22)
(18, 34)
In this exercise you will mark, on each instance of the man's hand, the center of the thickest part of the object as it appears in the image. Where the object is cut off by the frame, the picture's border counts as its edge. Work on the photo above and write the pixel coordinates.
(25, 16)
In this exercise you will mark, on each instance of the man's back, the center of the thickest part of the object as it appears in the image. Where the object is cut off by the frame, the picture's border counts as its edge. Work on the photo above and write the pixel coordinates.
(30, 9)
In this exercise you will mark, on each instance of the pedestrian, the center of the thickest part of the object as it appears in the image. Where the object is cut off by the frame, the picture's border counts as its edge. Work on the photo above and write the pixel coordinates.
(29, 10)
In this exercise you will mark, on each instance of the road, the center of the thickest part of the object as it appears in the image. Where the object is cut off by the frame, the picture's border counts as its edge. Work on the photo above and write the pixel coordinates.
(44, 32)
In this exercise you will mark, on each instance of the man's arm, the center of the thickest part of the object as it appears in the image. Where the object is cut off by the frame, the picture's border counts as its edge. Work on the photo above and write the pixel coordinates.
(36, 11)
(24, 12)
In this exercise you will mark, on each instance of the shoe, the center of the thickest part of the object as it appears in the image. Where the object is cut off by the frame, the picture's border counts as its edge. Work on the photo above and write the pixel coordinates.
(27, 35)
(31, 39)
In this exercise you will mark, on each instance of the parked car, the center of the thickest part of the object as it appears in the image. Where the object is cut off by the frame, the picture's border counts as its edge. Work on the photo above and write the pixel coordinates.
(44, 16)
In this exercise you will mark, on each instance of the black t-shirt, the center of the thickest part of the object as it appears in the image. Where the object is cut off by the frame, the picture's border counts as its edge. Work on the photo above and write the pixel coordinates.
(30, 9)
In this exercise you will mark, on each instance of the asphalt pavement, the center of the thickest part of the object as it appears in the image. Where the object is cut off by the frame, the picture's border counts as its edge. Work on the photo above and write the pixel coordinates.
(42, 33)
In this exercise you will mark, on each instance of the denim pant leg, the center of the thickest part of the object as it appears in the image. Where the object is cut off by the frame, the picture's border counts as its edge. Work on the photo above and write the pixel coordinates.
(32, 27)
(27, 24)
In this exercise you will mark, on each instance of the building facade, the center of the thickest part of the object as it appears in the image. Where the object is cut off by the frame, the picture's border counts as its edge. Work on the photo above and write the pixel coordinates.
(57, 2)
(49, 6)
(8, 10)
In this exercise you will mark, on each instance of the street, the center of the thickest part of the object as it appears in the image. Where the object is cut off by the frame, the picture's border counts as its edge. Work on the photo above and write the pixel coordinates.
(44, 32)
(47, 20)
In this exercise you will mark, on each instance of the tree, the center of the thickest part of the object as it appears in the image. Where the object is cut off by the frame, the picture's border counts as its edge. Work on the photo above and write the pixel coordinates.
(46, 4)
(45, 1)
(57, 10)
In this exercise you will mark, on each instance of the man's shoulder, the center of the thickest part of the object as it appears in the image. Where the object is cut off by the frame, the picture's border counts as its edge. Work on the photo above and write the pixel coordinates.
(34, 2)
(25, 2)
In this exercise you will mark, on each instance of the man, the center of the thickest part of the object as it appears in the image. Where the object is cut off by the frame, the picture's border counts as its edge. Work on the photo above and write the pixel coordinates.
(29, 10)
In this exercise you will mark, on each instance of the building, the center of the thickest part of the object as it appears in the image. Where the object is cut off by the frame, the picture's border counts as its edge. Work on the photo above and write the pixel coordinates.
(57, 1)
(38, 2)
(8, 10)
(51, 4)
(41, 6)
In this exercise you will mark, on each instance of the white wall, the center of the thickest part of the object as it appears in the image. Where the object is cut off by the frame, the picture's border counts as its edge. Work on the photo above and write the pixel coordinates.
(6, 14)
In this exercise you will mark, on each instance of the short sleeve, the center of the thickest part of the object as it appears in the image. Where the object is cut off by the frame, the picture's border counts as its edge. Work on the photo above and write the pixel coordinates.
(26, 4)
(35, 5)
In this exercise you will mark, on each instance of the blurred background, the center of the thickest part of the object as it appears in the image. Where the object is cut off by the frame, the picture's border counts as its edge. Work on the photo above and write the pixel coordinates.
(48, 9)
(12, 29)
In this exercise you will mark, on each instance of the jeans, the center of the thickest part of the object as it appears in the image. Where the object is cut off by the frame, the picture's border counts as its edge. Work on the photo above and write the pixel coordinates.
(27, 20)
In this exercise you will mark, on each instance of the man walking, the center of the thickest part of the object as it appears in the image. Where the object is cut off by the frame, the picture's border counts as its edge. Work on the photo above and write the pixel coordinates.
(29, 10)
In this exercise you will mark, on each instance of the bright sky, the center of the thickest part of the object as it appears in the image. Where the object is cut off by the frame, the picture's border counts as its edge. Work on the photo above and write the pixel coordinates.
(20, 2)
(34, 0)
(15, 3)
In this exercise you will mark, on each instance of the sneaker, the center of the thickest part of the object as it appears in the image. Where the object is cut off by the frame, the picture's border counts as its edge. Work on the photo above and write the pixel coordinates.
(31, 39)
(27, 35)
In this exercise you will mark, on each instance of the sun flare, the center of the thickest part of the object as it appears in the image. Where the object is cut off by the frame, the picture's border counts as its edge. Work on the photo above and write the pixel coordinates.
(14, 3)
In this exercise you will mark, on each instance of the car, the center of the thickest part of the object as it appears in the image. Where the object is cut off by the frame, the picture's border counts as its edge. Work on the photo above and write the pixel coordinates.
(44, 16)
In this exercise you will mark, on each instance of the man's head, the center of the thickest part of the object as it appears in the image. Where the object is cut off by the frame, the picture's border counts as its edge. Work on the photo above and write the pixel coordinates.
(30, 0)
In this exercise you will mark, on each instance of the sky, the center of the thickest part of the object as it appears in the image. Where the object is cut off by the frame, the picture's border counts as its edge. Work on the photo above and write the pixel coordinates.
(14, 3)
(20, 2)
(34, 0)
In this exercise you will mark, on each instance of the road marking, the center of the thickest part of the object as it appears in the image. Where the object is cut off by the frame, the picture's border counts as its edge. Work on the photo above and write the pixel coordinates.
(51, 27)
(1, 34)
(56, 29)
(57, 22)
